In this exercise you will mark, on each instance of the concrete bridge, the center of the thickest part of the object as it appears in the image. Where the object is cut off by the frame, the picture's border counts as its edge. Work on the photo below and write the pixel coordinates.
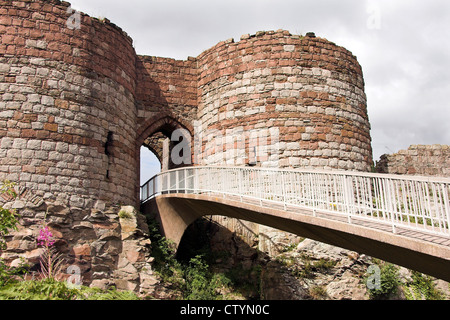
(401, 219)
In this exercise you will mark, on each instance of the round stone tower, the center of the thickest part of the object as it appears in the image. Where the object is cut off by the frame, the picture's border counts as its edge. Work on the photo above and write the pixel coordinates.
(67, 112)
(67, 139)
(299, 100)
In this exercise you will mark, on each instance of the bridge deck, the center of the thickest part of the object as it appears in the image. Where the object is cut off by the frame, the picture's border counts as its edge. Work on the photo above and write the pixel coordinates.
(400, 230)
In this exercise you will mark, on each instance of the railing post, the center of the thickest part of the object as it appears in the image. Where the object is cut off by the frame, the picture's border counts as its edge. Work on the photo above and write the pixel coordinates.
(446, 206)
(150, 194)
(283, 189)
(208, 183)
(194, 180)
(347, 199)
(167, 182)
(240, 178)
(154, 185)
(259, 186)
(390, 202)
(224, 188)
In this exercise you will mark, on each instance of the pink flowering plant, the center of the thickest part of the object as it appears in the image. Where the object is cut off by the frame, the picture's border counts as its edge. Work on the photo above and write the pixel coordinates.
(45, 238)
(50, 259)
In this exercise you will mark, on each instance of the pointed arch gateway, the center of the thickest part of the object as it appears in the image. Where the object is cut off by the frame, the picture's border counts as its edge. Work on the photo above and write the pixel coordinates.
(162, 135)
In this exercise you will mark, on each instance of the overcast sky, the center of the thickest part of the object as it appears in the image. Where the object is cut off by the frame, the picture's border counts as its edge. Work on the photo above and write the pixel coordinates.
(403, 47)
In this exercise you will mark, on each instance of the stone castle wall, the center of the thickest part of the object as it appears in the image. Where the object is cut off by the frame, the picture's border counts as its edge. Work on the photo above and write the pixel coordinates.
(67, 132)
(166, 85)
(427, 160)
(301, 98)
(76, 105)
(67, 114)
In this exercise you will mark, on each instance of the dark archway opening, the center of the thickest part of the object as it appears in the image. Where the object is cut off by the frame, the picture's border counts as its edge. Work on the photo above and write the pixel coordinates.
(163, 143)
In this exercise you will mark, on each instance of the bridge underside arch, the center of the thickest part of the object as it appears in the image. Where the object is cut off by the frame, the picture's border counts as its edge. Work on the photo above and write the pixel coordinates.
(175, 212)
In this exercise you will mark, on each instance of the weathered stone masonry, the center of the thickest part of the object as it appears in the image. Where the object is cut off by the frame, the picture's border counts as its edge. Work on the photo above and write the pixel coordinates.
(426, 160)
(77, 104)
(306, 88)
(63, 91)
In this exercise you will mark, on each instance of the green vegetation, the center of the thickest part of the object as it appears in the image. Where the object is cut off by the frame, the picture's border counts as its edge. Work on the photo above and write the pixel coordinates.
(51, 289)
(389, 282)
(307, 268)
(8, 218)
(201, 284)
(310, 267)
(419, 287)
(245, 282)
(191, 275)
(191, 280)
(8, 274)
(8, 223)
(422, 288)
(123, 214)
(318, 292)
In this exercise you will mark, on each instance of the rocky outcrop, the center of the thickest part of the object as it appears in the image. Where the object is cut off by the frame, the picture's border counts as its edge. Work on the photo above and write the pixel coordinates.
(105, 246)
(328, 272)
(294, 268)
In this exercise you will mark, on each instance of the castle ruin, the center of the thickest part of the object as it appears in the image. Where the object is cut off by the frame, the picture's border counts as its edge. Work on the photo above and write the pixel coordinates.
(77, 104)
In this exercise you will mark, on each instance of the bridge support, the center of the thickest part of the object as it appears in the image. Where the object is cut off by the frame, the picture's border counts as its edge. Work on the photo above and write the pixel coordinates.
(175, 212)
(173, 216)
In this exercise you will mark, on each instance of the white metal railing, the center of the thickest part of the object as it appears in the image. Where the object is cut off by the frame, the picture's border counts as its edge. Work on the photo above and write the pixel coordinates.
(418, 203)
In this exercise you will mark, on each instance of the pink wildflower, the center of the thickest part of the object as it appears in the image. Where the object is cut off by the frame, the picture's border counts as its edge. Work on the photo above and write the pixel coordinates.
(45, 238)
